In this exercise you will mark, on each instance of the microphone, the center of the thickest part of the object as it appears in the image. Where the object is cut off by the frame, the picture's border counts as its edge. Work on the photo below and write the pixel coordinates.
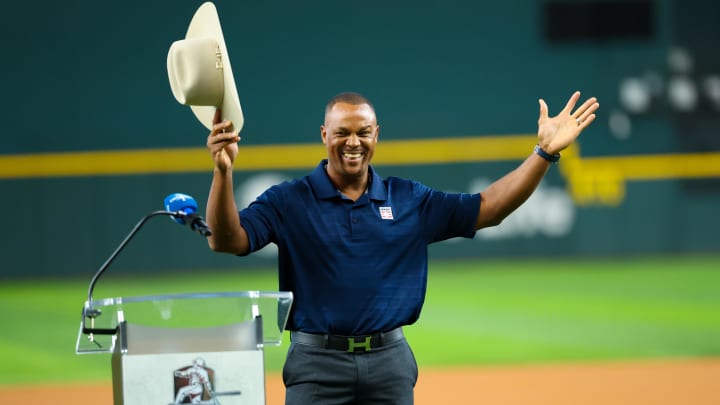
(183, 210)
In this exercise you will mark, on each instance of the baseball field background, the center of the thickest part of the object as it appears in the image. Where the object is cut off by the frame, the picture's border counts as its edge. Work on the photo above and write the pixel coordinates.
(607, 279)
(477, 312)
(492, 314)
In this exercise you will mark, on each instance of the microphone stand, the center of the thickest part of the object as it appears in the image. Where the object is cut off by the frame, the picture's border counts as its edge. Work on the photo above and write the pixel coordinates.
(92, 313)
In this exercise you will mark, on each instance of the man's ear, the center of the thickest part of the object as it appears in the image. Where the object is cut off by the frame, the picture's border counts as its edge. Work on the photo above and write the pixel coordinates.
(323, 134)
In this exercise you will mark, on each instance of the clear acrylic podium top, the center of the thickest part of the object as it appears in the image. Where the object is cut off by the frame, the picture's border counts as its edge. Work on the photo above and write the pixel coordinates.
(101, 317)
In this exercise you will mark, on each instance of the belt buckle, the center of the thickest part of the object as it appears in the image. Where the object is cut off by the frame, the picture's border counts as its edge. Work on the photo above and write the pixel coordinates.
(355, 346)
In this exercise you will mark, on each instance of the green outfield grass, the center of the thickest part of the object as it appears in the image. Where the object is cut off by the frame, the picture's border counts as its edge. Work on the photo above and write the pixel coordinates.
(476, 312)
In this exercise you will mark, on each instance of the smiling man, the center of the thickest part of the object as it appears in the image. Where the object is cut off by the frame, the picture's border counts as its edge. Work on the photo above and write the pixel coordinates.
(350, 134)
(353, 247)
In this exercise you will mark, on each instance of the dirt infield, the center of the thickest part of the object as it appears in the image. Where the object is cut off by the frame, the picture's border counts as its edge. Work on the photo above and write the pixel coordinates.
(673, 382)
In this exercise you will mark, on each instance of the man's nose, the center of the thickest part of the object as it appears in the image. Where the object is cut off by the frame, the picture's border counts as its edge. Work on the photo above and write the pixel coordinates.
(353, 139)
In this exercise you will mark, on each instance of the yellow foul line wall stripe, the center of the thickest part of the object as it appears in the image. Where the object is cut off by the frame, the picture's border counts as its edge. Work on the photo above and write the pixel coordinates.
(391, 152)
(658, 167)
(258, 157)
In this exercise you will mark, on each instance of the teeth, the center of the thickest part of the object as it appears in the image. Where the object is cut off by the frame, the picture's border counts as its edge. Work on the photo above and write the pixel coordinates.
(352, 155)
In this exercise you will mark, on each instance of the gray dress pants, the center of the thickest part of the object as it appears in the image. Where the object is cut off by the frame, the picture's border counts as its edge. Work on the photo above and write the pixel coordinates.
(319, 376)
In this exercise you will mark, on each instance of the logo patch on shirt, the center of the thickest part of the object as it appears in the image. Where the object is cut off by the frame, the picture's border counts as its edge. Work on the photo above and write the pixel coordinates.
(386, 213)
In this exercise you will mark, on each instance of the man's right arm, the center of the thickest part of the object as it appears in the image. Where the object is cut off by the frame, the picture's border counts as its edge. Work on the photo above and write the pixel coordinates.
(228, 234)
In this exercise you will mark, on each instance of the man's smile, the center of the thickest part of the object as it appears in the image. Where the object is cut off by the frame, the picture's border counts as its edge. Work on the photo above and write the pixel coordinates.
(353, 155)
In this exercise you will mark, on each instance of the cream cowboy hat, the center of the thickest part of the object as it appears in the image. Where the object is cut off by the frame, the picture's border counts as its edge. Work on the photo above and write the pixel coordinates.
(199, 70)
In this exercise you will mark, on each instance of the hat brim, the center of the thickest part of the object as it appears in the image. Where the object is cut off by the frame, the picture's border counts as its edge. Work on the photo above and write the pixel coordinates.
(206, 23)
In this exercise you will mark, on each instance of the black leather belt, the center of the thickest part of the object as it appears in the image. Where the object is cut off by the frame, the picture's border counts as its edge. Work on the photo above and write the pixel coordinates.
(350, 344)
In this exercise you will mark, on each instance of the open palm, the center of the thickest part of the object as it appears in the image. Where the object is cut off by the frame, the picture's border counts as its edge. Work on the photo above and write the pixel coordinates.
(556, 133)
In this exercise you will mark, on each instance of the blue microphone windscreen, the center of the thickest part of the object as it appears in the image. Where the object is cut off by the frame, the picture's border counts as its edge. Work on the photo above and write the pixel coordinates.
(180, 202)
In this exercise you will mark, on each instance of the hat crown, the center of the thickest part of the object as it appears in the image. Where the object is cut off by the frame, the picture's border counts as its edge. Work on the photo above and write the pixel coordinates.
(195, 71)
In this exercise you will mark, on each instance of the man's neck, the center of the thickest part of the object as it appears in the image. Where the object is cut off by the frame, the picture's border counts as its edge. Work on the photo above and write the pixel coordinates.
(352, 187)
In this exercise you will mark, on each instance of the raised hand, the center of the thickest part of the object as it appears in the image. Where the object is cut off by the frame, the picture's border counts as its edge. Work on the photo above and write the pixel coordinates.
(556, 133)
(222, 142)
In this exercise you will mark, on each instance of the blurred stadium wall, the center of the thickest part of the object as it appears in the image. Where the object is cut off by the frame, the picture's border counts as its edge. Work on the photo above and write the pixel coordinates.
(94, 140)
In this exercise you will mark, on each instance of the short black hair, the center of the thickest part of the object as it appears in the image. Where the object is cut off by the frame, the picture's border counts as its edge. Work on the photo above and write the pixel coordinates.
(349, 98)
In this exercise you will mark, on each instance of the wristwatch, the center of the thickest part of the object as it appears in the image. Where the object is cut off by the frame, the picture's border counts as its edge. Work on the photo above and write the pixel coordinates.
(550, 158)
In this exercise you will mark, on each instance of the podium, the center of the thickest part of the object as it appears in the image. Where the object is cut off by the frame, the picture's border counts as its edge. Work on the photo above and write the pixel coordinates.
(200, 348)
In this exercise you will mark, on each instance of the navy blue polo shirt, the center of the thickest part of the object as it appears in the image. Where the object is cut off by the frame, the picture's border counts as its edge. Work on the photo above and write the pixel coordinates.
(355, 267)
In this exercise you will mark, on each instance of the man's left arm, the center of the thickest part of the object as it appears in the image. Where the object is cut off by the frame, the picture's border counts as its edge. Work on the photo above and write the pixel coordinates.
(554, 135)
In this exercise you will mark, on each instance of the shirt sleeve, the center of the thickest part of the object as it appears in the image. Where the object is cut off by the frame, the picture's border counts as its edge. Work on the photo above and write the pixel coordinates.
(447, 215)
(262, 218)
